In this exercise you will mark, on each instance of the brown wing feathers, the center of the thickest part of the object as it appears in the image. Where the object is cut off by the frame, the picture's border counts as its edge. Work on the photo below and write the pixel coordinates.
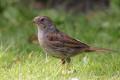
(66, 41)
(62, 40)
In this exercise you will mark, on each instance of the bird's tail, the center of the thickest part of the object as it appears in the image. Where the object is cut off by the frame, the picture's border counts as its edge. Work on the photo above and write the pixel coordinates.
(92, 49)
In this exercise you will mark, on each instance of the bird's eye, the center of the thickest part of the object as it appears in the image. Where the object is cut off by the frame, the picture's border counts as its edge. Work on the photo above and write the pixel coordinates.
(42, 19)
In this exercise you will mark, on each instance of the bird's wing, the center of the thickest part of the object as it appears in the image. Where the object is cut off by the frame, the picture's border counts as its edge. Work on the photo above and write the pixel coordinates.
(62, 40)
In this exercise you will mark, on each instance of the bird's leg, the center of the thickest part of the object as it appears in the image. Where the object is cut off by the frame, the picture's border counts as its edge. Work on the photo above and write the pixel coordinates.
(46, 57)
(67, 67)
(68, 64)
(63, 61)
(63, 68)
(68, 60)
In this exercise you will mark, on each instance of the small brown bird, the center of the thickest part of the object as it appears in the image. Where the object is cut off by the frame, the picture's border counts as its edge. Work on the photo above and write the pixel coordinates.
(57, 43)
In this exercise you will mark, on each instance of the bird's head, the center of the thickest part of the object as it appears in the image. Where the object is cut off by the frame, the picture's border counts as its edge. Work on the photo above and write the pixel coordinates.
(43, 22)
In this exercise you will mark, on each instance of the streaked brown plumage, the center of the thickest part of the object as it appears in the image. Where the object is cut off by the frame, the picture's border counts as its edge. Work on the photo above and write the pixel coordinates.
(58, 44)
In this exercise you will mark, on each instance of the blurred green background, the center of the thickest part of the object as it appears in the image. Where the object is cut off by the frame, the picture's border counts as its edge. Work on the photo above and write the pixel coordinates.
(21, 57)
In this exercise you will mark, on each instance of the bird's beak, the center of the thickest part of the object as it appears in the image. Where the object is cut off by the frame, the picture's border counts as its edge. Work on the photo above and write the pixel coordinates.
(35, 19)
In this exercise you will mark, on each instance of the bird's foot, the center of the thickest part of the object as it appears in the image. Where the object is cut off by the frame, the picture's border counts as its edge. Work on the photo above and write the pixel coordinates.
(68, 71)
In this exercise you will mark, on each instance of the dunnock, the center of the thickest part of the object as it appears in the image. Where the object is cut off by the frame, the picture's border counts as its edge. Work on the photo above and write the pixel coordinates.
(57, 43)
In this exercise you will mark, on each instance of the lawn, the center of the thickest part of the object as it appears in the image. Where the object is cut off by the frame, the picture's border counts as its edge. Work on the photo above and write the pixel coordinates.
(21, 60)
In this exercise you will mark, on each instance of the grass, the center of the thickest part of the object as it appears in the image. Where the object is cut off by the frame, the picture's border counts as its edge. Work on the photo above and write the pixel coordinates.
(21, 60)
